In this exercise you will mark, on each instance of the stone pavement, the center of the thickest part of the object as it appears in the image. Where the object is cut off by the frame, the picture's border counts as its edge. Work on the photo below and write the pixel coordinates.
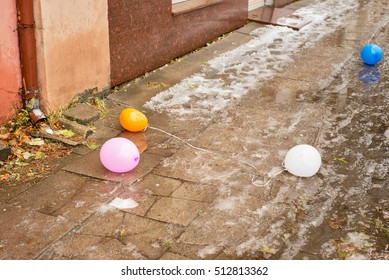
(203, 193)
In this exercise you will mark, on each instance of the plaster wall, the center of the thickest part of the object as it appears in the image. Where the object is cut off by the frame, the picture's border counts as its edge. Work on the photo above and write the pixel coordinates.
(72, 49)
(10, 74)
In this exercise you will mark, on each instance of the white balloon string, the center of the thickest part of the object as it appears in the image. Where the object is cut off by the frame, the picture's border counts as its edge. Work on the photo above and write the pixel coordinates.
(268, 182)
(216, 153)
(180, 139)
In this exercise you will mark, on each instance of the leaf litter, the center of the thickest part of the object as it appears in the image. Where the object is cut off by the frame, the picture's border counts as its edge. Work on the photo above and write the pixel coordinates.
(31, 158)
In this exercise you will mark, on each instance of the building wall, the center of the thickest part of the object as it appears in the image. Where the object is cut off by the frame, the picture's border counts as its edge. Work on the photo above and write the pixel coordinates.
(10, 74)
(72, 49)
(145, 35)
(281, 3)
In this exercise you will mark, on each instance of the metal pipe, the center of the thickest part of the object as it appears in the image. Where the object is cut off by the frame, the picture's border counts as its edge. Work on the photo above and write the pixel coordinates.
(26, 29)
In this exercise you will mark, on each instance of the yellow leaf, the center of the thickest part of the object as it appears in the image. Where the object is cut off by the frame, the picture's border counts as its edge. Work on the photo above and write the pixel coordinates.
(123, 233)
(342, 160)
(39, 155)
(192, 86)
(92, 146)
(19, 163)
(268, 250)
(66, 133)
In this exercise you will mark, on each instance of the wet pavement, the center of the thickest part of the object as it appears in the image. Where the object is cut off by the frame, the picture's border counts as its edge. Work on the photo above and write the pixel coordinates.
(221, 122)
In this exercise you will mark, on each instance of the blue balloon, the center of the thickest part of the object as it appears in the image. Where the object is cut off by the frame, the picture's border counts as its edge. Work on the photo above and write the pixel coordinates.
(371, 54)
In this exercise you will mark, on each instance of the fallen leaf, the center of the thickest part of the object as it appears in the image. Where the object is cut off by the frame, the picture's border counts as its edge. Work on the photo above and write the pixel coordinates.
(24, 139)
(4, 136)
(334, 224)
(27, 155)
(342, 160)
(268, 250)
(40, 155)
(19, 151)
(123, 233)
(20, 163)
(4, 177)
(92, 145)
(36, 142)
(156, 85)
(18, 132)
(192, 86)
(66, 133)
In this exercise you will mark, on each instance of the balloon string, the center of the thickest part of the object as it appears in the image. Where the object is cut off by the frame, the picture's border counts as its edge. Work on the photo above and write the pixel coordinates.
(180, 139)
(268, 182)
(213, 152)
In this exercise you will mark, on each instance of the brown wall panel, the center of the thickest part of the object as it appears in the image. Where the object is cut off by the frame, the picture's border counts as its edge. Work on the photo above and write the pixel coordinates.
(282, 3)
(145, 35)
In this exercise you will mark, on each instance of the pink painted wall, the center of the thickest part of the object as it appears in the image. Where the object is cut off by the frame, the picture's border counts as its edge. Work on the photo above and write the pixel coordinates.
(10, 75)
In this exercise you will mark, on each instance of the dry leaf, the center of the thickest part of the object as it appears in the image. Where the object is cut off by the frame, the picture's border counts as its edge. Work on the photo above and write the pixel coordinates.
(39, 155)
(268, 250)
(4, 136)
(334, 224)
(36, 142)
(66, 133)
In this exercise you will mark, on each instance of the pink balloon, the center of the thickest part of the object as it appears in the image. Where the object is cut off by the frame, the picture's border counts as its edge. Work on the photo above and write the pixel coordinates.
(119, 155)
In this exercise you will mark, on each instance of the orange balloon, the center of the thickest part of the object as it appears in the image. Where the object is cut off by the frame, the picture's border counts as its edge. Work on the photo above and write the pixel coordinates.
(133, 120)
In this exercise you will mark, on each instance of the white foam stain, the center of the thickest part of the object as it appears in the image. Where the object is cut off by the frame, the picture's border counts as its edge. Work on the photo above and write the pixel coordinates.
(208, 250)
(233, 74)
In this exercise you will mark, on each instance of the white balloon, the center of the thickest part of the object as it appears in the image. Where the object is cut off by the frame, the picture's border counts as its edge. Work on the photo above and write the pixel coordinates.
(303, 160)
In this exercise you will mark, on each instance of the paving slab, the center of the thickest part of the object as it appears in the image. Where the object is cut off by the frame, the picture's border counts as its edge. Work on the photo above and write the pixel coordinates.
(135, 95)
(315, 69)
(103, 133)
(23, 229)
(67, 196)
(70, 247)
(91, 166)
(228, 43)
(82, 113)
(7, 194)
(197, 192)
(175, 211)
(156, 185)
(138, 138)
(200, 57)
(111, 121)
(145, 202)
(112, 249)
(149, 238)
(224, 231)
(248, 28)
(198, 166)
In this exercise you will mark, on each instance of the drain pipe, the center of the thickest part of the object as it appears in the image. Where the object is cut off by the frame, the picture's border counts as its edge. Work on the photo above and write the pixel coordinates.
(26, 28)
